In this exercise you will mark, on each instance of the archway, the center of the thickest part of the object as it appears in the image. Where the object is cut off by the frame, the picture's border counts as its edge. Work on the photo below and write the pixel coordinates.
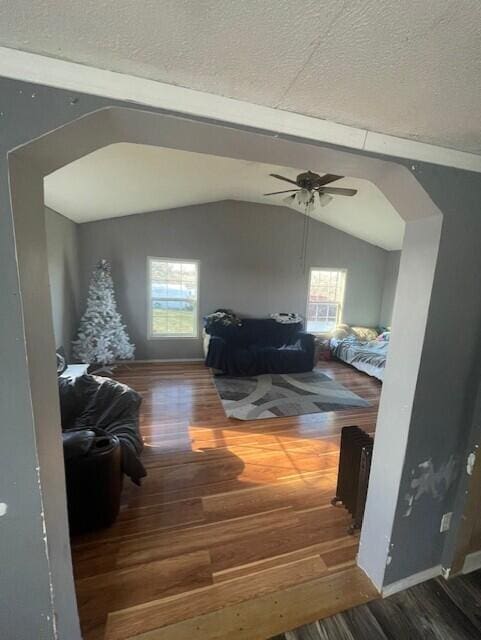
(28, 165)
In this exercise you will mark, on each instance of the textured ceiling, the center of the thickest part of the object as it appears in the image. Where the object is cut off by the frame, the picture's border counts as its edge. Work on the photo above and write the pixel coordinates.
(122, 179)
(409, 68)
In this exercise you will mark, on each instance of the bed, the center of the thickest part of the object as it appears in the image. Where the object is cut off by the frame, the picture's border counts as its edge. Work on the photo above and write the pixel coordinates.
(368, 356)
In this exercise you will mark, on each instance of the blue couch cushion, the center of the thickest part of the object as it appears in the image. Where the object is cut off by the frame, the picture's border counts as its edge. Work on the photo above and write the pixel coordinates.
(264, 332)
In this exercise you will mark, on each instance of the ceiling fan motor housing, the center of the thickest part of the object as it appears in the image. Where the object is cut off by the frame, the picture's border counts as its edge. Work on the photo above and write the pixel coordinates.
(308, 180)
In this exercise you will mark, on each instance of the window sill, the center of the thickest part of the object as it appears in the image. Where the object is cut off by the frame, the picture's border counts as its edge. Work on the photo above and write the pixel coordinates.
(149, 337)
(320, 334)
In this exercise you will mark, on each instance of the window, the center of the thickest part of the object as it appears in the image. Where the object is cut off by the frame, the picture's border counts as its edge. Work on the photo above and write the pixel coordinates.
(325, 299)
(173, 296)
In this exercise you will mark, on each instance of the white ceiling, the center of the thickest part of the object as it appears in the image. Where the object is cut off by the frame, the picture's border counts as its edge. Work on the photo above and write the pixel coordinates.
(125, 178)
(410, 68)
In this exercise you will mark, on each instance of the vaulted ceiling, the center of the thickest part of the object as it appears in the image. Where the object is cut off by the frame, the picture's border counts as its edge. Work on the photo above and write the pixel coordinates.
(410, 68)
(125, 178)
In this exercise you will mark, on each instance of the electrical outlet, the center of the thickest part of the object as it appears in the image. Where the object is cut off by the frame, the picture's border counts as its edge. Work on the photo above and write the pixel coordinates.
(446, 522)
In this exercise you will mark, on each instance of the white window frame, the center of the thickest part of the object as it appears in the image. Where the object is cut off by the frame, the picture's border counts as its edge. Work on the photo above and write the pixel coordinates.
(340, 304)
(171, 336)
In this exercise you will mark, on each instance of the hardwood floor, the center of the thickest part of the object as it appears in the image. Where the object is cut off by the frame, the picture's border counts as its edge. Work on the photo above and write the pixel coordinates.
(232, 533)
(438, 610)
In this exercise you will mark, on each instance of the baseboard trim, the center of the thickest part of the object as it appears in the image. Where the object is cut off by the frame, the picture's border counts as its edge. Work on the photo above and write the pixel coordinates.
(411, 581)
(159, 361)
(472, 562)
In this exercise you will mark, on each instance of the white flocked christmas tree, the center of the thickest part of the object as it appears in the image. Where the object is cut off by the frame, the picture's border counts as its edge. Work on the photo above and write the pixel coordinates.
(102, 337)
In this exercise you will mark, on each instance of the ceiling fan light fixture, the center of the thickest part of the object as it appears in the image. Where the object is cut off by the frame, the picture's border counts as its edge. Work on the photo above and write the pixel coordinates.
(304, 197)
(324, 199)
(307, 200)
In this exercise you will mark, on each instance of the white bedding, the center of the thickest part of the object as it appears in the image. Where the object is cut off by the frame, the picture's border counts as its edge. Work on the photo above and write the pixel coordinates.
(368, 357)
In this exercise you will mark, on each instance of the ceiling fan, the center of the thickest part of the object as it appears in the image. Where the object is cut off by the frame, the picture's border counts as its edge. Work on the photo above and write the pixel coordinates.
(311, 189)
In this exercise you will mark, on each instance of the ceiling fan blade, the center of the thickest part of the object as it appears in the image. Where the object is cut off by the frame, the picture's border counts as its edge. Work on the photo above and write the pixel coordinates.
(329, 177)
(274, 193)
(336, 191)
(276, 175)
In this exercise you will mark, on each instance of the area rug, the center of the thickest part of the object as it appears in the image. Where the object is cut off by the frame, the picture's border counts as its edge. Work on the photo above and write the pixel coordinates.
(280, 395)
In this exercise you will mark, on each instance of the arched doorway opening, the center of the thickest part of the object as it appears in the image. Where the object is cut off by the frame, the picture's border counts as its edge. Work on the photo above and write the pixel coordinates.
(31, 162)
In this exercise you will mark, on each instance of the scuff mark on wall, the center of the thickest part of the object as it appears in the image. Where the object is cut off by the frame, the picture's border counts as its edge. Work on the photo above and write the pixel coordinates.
(410, 500)
(47, 553)
(470, 463)
(428, 481)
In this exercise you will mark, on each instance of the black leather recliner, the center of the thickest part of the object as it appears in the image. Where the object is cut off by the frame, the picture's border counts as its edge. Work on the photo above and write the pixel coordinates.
(101, 439)
(93, 474)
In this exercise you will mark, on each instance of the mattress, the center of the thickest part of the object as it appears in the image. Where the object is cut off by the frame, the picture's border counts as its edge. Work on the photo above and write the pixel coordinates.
(368, 357)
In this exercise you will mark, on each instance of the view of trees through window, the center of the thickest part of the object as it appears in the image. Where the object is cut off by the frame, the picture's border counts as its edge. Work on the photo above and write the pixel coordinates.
(173, 298)
(325, 299)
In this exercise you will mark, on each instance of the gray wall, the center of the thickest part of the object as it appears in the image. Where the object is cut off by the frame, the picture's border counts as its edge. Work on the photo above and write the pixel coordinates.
(389, 289)
(64, 276)
(440, 424)
(250, 261)
(448, 377)
(36, 586)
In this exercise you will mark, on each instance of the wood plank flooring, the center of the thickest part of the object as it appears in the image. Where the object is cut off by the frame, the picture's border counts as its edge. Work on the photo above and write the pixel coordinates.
(438, 610)
(232, 533)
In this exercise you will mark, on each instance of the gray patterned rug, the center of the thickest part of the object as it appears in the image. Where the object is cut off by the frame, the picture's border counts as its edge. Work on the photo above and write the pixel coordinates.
(276, 395)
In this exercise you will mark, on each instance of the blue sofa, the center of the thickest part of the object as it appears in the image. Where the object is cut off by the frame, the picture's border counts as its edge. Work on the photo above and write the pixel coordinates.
(259, 346)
